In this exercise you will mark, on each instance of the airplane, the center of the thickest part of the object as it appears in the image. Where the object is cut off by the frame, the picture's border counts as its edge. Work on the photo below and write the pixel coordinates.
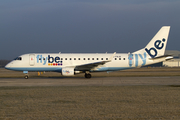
(71, 64)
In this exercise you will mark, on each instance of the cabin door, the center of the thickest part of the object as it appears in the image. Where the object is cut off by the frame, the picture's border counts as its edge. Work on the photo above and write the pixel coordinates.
(31, 59)
(131, 60)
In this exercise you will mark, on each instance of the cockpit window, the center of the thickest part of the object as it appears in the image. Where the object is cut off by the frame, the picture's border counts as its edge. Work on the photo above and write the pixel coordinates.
(18, 58)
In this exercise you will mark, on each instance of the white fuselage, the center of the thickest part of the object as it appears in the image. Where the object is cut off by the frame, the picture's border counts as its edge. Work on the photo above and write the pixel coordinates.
(55, 62)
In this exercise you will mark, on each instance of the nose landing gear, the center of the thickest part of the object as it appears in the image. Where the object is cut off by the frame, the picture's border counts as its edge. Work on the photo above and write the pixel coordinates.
(26, 74)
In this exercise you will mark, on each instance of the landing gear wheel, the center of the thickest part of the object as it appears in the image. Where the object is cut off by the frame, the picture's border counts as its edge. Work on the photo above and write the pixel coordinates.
(26, 76)
(87, 75)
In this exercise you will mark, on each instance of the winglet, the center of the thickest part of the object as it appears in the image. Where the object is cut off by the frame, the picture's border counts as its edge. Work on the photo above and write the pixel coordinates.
(110, 59)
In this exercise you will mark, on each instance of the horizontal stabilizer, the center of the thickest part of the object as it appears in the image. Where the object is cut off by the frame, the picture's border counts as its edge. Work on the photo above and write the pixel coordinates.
(167, 57)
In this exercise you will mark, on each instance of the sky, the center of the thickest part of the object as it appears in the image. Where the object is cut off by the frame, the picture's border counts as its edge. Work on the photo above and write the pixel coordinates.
(84, 26)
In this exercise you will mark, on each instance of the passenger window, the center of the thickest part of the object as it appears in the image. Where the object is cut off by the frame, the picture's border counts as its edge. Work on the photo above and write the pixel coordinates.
(69, 58)
(106, 58)
(65, 58)
(39, 58)
(119, 58)
(44, 59)
(84, 58)
(92, 58)
(88, 58)
(74, 58)
(79, 59)
(61, 58)
(101, 58)
(97, 59)
(115, 58)
(124, 58)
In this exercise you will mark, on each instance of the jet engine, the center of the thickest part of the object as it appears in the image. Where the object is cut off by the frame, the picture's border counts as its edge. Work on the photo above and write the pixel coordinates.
(67, 71)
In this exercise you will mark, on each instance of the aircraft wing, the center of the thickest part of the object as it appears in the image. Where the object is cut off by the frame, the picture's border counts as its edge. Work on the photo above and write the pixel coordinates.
(90, 66)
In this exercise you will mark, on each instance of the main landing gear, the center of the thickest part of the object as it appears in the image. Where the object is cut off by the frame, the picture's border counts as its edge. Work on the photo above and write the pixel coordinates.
(87, 75)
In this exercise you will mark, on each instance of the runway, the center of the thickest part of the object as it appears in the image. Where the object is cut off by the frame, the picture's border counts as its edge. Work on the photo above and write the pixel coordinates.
(96, 81)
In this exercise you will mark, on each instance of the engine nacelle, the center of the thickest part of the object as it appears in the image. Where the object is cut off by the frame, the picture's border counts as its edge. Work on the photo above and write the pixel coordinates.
(67, 71)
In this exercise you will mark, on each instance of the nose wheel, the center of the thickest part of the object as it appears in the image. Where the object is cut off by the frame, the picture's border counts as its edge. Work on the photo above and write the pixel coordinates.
(26, 76)
(87, 75)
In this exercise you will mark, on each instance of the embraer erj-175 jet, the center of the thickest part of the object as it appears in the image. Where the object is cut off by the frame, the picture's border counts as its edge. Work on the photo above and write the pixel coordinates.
(71, 64)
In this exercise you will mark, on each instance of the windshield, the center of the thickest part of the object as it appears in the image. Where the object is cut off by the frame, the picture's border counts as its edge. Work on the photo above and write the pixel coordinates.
(18, 58)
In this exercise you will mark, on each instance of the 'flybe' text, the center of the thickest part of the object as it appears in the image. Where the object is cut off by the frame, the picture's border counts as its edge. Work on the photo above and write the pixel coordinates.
(134, 57)
(51, 60)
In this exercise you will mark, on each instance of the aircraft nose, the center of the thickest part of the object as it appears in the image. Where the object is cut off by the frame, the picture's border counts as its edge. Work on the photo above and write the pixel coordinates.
(8, 66)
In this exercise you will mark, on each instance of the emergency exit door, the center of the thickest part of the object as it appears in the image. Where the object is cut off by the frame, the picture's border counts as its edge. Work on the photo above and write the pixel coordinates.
(131, 60)
(31, 59)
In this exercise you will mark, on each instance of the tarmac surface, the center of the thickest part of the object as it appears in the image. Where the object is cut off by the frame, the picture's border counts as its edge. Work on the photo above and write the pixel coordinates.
(95, 81)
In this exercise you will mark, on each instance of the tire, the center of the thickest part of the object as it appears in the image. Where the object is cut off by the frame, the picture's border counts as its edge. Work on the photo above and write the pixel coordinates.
(26, 76)
(87, 75)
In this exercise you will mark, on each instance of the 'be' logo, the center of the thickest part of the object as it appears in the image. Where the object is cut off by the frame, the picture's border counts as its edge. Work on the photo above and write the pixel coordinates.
(158, 45)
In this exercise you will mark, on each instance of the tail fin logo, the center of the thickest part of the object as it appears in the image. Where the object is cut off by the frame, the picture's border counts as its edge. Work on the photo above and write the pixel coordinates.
(158, 44)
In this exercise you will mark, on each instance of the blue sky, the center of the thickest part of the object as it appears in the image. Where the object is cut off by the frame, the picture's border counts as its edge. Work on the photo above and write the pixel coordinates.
(80, 26)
